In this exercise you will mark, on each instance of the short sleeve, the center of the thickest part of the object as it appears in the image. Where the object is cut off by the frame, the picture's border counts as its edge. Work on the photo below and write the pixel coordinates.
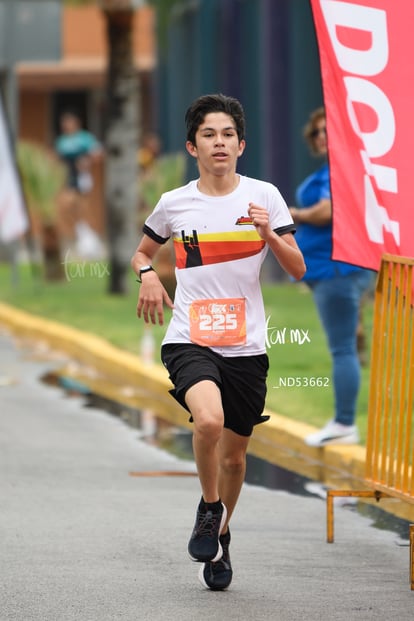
(280, 219)
(156, 226)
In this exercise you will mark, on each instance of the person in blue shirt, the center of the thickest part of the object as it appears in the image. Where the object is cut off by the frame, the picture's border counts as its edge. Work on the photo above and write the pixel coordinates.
(337, 288)
(77, 148)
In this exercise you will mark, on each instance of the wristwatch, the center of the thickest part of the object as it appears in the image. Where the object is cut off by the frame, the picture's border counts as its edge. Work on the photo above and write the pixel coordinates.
(143, 270)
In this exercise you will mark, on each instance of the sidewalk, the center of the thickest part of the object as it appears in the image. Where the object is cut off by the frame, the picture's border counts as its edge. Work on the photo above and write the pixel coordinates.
(82, 540)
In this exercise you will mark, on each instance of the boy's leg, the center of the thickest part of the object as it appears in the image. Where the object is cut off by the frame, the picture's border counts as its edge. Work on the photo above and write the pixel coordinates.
(232, 469)
(204, 402)
(220, 453)
(198, 368)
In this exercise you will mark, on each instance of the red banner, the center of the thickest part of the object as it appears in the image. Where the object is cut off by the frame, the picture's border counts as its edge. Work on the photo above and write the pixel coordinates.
(366, 49)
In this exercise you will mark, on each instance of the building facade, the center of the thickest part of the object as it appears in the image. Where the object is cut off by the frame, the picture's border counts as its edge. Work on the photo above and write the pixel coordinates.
(77, 81)
(262, 51)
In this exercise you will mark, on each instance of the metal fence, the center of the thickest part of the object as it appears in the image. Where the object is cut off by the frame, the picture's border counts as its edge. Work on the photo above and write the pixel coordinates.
(390, 441)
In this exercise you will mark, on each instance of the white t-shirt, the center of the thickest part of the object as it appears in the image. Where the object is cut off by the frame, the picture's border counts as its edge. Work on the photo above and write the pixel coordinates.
(218, 255)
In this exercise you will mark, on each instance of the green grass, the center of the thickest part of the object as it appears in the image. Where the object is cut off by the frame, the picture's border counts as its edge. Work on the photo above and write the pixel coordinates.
(291, 306)
(81, 300)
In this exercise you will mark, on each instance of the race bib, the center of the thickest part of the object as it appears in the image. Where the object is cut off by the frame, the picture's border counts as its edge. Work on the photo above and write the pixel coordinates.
(218, 322)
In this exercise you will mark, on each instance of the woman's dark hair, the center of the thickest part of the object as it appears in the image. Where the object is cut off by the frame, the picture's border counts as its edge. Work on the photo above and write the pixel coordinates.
(205, 104)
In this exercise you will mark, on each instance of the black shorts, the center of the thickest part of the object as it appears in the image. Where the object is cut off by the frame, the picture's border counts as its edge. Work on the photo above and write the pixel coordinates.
(241, 380)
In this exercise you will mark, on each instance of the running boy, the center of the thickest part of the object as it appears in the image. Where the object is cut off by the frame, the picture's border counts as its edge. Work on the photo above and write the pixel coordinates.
(222, 225)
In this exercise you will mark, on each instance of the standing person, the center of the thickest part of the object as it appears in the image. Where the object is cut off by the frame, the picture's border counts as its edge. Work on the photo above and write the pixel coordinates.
(79, 149)
(222, 225)
(337, 289)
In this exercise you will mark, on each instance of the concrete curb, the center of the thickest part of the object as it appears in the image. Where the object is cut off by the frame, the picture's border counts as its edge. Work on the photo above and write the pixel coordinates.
(280, 441)
(121, 376)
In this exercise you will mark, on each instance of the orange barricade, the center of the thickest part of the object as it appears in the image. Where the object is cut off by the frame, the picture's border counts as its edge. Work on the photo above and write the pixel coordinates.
(390, 443)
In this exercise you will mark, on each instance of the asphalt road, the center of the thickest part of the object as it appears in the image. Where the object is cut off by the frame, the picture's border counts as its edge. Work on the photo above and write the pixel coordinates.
(82, 540)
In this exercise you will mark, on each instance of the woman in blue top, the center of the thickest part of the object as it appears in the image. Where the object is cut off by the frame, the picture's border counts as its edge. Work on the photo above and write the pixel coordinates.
(337, 288)
(77, 148)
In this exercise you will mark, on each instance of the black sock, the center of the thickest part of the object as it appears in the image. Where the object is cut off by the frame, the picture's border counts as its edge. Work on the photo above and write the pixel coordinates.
(215, 507)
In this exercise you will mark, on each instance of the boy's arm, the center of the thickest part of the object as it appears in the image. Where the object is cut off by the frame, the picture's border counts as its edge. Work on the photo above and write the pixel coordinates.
(284, 247)
(287, 252)
(152, 294)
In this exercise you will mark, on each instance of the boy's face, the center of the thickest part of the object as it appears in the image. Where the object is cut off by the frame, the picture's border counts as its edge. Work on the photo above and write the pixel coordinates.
(217, 145)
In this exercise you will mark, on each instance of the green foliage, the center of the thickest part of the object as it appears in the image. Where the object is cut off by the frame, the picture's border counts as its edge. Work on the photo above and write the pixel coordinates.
(166, 173)
(79, 2)
(165, 10)
(43, 177)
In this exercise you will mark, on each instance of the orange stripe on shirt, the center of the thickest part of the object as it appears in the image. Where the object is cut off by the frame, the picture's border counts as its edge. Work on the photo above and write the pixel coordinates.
(219, 251)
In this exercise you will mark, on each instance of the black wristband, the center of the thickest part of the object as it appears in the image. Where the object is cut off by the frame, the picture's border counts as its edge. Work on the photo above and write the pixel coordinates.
(143, 270)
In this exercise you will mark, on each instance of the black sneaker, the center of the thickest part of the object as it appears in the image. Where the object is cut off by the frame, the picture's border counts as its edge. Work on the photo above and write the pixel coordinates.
(217, 576)
(204, 544)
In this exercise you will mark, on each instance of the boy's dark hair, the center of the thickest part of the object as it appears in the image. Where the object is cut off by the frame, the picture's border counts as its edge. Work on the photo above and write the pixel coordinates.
(205, 104)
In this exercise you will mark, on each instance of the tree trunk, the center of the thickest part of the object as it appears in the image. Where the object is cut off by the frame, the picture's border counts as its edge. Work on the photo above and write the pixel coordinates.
(121, 148)
(50, 240)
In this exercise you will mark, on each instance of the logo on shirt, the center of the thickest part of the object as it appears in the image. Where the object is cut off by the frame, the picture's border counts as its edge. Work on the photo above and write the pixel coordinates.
(192, 249)
(243, 220)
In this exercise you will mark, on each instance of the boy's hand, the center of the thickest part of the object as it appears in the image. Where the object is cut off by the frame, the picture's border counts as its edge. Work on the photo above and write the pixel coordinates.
(260, 219)
(151, 299)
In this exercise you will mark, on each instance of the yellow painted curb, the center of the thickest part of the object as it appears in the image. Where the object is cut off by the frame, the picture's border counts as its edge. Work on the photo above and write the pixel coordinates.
(280, 433)
(280, 441)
